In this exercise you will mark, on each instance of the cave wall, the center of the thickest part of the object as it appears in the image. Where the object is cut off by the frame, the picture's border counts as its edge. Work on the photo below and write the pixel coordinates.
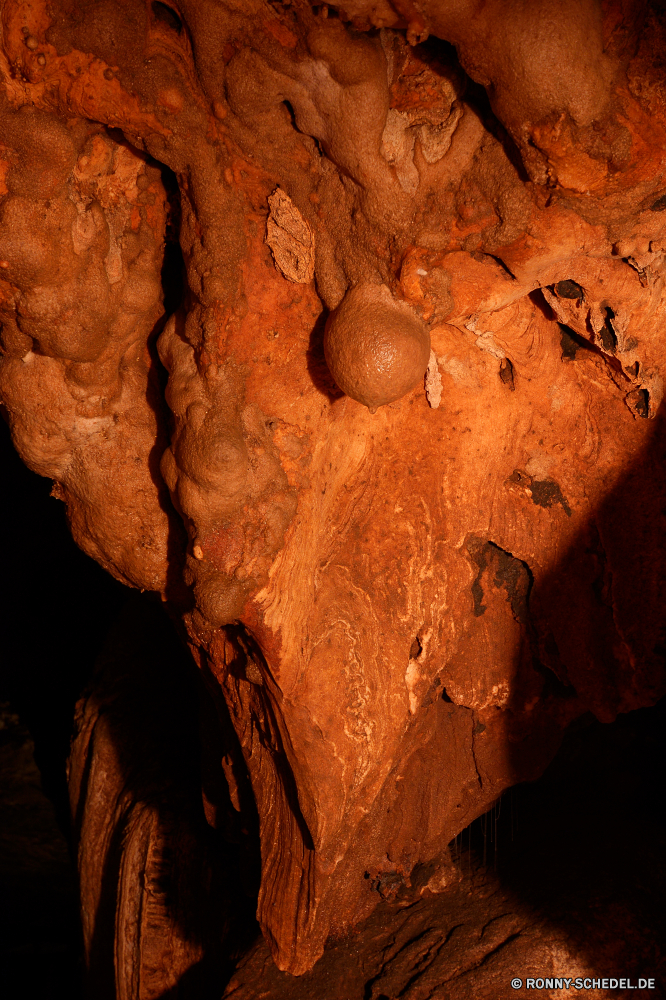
(403, 592)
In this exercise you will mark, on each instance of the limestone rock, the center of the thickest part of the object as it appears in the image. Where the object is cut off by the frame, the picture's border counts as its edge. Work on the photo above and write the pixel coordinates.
(400, 612)
(290, 238)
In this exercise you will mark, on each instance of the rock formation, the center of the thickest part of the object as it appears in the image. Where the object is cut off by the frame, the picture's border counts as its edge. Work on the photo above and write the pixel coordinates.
(404, 572)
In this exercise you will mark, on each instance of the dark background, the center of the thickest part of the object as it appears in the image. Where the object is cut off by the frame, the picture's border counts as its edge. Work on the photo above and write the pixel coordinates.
(56, 608)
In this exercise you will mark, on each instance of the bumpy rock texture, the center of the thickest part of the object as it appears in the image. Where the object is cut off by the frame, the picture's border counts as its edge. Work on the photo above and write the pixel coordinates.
(375, 348)
(398, 612)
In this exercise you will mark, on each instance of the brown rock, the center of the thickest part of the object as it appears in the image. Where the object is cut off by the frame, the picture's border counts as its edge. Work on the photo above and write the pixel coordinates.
(290, 238)
(376, 348)
(402, 612)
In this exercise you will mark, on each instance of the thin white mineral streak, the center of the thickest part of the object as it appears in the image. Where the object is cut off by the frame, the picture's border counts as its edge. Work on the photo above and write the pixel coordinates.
(433, 382)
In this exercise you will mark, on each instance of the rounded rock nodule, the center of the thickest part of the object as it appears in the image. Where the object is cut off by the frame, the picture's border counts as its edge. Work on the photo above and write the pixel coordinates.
(376, 348)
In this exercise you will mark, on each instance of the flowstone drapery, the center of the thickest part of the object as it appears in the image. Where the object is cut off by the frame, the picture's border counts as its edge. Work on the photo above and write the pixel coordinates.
(402, 484)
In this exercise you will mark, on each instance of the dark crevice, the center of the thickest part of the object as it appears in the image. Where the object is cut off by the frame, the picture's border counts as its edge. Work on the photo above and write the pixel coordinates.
(250, 664)
(316, 362)
(572, 342)
(505, 268)
(569, 289)
(477, 97)
(316, 144)
(538, 299)
(173, 268)
(511, 573)
(659, 205)
(172, 277)
(166, 15)
(322, 10)
(500, 947)
(406, 946)
(428, 959)
(506, 374)
(416, 649)
(639, 403)
(542, 492)
(607, 333)
(516, 578)
(292, 114)
(546, 493)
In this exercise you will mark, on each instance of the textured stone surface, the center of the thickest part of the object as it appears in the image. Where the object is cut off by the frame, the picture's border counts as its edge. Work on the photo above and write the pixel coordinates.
(564, 878)
(402, 610)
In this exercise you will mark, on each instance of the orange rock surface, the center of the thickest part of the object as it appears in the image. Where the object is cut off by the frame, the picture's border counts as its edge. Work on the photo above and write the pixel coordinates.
(404, 609)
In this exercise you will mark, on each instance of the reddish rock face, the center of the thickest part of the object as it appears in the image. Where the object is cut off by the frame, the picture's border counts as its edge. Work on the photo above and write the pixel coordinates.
(403, 609)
